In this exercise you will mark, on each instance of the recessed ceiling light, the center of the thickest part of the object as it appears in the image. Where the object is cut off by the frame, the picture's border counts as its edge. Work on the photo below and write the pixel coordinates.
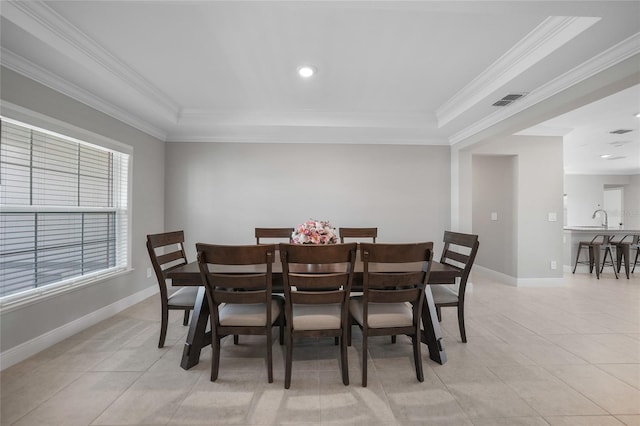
(306, 71)
(638, 115)
(605, 156)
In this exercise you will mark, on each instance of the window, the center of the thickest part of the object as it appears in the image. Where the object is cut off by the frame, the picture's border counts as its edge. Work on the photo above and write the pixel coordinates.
(63, 210)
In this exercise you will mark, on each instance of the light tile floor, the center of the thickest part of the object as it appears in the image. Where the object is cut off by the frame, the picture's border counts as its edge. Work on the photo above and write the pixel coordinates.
(536, 356)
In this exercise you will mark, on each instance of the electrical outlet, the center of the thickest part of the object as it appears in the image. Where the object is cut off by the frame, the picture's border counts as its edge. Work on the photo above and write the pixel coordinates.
(149, 272)
(554, 265)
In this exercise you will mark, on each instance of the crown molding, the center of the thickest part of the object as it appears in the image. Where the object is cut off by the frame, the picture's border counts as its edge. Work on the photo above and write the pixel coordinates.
(610, 57)
(47, 25)
(386, 120)
(245, 134)
(30, 70)
(547, 37)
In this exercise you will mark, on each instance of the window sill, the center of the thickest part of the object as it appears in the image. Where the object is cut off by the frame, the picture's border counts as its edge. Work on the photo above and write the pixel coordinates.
(14, 302)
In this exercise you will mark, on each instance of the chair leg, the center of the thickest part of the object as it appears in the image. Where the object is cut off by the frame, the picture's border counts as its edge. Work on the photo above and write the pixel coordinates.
(343, 358)
(364, 357)
(635, 261)
(215, 357)
(236, 339)
(438, 313)
(604, 261)
(393, 340)
(163, 327)
(289, 356)
(417, 355)
(575, 264)
(281, 327)
(463, 334)
(185, 320)
(269, 356)
(336, 341)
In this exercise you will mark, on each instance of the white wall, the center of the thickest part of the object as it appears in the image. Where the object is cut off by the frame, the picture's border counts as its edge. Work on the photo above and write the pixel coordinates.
(220, 192)
(25, 326)
(585, 192)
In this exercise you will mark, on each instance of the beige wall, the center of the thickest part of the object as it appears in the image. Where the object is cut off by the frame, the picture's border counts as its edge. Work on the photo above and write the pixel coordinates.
(220, 192)
(37, 320)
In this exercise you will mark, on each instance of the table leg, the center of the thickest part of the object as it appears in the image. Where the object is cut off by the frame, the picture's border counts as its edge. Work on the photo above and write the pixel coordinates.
(431, 334)
(197, 338)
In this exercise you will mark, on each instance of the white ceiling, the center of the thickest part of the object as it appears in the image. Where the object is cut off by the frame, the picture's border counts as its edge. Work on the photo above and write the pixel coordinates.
(394, 72)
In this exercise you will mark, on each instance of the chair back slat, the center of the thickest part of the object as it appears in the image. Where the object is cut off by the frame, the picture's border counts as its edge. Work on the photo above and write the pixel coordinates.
(239, 297)
(166, 258)
(315, 282)
(460, 251)
(383, 280)
(242, 281)
(393, 296)
(358, 233)
(317, 298)
(273, 233)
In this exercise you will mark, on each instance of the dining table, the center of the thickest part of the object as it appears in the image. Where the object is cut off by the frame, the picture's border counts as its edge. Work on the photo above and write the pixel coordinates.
(198, 337)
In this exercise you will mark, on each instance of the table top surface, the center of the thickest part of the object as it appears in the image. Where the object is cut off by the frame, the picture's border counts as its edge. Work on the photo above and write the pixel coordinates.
(189, 274)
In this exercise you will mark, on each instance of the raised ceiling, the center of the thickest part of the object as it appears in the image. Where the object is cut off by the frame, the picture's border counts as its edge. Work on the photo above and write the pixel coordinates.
(415, 72)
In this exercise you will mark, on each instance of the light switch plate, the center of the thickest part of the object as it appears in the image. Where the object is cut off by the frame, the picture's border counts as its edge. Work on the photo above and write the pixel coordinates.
(553, 217)
(494, 215)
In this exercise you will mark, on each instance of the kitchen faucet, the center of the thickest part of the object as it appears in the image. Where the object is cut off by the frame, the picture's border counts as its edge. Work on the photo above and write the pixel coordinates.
(606, 218)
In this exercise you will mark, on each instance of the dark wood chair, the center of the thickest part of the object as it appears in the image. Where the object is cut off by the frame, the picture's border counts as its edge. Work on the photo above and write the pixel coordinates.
(173, 255)
(393, 295)
(358, 233)
(240, 303)
(317, 280)
(459, 252)
(271, 233)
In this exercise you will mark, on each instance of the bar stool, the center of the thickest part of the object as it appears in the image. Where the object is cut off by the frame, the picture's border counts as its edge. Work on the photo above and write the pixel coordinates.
(594, 246)
(607, 245)
(624, 251)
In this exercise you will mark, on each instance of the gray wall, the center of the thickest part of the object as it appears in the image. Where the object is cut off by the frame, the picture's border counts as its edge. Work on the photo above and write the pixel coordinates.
(539, 190)
(219, 192)
(494, 191)
(585, 192)
(22, 325)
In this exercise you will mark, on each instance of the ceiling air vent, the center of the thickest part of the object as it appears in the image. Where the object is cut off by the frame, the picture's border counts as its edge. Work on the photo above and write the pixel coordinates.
(621, 131)
(618, 144)
(510, 98)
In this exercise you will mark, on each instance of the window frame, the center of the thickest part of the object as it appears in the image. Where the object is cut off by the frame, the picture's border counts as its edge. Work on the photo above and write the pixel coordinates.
(55, 127)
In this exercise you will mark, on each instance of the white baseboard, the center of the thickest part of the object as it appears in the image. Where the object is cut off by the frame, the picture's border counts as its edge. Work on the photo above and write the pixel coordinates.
(518, 282)
(24, 350)
(494, 275)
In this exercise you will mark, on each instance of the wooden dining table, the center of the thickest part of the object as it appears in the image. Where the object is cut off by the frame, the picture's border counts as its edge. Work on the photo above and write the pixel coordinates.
(198, 337)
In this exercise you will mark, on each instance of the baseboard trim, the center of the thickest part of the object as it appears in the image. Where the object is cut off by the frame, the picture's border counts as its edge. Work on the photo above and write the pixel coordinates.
(498, 276)
(24, 350)
(519, 282)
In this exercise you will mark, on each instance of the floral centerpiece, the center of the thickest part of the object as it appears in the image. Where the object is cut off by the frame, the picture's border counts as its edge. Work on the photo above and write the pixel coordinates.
(314, 232)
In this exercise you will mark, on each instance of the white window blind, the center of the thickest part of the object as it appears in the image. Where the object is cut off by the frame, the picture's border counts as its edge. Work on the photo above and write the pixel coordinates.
(63, 209)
